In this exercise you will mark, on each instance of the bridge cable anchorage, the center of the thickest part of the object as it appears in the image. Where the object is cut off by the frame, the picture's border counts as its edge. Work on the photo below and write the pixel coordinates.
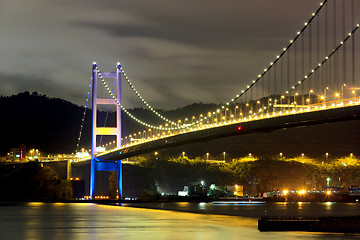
(272, 64)
(83, 118)
(327, 58)
(144, 101)
(132, 116)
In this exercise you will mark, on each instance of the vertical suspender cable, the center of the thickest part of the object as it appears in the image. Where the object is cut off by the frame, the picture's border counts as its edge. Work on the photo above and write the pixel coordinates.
(262, 88)
(327, 75)
(288, 74)
(318, 75)
(335, 65)
(270, 93)
(282, 75)
(353, 44)
(344, 48)
(295, 66)
(275, 80)
(310, 53)
(302, 68)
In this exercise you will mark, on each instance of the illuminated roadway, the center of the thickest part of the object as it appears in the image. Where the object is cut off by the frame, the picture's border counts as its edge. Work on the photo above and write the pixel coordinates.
(315, 114)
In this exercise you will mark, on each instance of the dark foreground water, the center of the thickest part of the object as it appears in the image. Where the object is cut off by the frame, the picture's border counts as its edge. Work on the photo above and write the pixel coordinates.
(91, 221)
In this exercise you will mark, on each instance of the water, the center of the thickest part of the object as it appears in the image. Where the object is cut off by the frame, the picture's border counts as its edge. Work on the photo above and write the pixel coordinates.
(91, 221)
(257, 210)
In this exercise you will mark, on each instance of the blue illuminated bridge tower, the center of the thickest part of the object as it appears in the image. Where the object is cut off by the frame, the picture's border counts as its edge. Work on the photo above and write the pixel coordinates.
(96, 163)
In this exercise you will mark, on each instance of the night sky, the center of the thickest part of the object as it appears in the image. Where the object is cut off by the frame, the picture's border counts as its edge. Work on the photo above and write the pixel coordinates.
(175, 52)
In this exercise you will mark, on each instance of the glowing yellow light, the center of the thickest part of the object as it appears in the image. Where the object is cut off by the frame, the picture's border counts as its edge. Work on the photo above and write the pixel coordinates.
(285, 192)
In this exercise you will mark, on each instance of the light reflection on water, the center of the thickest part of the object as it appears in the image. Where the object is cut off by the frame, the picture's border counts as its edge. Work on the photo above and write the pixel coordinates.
(91, 221)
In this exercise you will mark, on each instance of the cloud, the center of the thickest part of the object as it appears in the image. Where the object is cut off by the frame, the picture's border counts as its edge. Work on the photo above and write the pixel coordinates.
(176, 52)
(18, 83)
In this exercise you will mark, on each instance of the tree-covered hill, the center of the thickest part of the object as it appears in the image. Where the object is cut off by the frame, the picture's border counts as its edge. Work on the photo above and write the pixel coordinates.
(52, 125)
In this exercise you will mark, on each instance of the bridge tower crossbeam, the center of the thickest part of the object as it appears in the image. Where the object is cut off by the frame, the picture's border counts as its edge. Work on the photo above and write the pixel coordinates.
(96, 163)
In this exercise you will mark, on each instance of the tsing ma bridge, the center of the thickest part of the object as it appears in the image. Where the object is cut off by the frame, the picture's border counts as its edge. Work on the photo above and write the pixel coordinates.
(313, 80)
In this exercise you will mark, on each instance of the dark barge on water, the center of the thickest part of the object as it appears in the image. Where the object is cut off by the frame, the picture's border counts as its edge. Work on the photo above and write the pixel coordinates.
(350, 224)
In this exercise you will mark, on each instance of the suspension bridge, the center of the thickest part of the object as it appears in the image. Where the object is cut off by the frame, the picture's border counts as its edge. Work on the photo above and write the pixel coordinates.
(313, 80)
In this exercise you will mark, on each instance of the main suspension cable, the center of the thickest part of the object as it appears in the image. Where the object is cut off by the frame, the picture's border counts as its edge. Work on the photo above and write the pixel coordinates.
(83, 118)
(144, 101)
(132, 116)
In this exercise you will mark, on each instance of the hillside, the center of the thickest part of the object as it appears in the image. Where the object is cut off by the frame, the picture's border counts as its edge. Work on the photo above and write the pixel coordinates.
(52, 125)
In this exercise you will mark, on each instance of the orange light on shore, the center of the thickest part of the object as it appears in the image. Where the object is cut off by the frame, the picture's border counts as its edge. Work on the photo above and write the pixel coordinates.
(285, 192)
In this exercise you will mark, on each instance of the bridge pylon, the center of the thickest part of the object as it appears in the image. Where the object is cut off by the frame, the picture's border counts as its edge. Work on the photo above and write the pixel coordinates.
(96, 163)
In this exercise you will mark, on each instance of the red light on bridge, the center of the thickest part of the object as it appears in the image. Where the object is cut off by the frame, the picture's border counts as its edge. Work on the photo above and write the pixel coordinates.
(239, 128)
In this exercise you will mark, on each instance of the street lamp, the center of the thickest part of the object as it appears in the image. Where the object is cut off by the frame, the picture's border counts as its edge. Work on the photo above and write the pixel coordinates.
(295, 95)
(322, 98)
(327, 88)
(224, 155)
(281, 102)
(183, 154)
(207, 156)
(311, 91)
(342, 90)
(328, 181)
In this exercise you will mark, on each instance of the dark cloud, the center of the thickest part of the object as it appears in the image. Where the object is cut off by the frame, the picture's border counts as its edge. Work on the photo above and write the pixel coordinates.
(208, 24)
(18, 83)
(185, 51)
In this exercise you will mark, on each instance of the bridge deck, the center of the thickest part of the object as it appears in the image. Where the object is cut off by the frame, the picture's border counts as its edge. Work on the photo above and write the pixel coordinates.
(238, 128)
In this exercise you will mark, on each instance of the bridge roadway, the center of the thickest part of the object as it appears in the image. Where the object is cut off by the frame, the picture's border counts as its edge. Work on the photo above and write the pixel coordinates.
(239, 128)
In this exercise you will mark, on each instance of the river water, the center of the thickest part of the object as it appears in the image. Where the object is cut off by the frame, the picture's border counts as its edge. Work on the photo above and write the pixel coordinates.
(141, 221)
